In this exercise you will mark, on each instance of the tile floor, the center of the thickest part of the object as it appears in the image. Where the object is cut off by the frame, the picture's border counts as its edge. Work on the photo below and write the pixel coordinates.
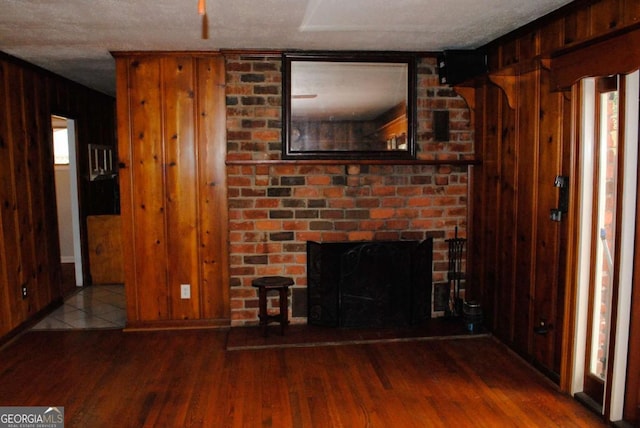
(94, 307)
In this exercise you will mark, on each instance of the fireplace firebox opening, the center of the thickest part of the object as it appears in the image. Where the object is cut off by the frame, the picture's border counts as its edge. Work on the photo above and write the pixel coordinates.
(369, 284)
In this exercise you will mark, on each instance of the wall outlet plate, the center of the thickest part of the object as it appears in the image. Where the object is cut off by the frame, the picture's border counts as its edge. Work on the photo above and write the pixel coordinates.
(185, 291)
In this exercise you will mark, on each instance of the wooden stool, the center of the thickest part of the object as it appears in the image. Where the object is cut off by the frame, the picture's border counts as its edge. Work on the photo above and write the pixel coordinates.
(275, 283)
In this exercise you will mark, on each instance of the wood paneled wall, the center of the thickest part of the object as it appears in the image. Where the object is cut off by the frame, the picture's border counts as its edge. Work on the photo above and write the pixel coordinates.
(523, 262)
(517, 242)
(172, 150)
(29, 248)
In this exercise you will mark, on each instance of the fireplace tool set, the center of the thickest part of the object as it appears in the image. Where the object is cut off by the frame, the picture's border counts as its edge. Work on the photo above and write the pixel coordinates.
(469, 310)
(455, 275)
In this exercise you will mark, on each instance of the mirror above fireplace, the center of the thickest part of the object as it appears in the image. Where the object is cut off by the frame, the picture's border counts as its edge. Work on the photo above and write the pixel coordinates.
(349, 106)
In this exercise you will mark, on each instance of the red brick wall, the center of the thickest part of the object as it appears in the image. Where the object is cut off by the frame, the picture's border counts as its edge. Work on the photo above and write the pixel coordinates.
(275, 209)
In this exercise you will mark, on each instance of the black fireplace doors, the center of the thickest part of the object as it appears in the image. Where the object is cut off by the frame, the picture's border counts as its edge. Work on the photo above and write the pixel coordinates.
(369, 284)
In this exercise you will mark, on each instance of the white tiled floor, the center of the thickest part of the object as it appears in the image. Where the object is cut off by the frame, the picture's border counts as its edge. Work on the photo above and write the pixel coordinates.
(94, 307)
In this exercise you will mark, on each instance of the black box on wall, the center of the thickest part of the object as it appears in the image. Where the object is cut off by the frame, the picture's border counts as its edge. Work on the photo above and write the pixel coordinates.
(456, 66)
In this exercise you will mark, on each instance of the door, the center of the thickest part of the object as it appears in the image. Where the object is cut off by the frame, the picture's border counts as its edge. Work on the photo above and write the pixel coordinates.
(604, 230)
(65, 165)
(608, 187)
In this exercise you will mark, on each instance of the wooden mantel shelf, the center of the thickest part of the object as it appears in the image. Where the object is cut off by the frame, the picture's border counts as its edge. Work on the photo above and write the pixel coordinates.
(232, 162)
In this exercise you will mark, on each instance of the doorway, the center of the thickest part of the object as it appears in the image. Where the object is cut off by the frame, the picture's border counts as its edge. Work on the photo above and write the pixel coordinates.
(609, 150)
(66, 182)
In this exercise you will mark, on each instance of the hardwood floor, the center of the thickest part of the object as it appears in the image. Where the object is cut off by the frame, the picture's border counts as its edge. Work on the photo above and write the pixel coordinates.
(109, 378)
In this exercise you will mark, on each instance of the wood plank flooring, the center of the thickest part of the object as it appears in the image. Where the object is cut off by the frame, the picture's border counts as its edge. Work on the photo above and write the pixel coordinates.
(109, 378)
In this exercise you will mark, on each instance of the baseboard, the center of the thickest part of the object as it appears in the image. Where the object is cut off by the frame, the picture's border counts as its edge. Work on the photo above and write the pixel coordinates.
(30, 322)
(588, 402)
(220, 324)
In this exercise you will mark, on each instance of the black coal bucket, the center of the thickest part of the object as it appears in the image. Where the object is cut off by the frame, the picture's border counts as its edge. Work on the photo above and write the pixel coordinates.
(472, 316)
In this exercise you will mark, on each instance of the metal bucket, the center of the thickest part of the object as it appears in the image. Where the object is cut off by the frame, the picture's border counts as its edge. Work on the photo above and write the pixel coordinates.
(472, 316)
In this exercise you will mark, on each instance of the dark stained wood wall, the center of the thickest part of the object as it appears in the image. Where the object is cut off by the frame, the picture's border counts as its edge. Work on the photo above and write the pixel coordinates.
(523, 266)
(172, 148)
(29, 249)
(515, 238)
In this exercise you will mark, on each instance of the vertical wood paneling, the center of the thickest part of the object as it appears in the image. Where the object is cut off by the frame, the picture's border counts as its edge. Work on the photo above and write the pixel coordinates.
(568, 250)
(509, 53)
(605, 16)
(181, 173)
(527, 170)
(171, 111)
(576, 26)
(125, 171)
(546, 268)
(543, 252)
(490, 171)
(149, 238)
(529, 45)
(476, 271)
(29, 251)
(552, 36)
(10, 264)
(23, 226)
(630, 11)
(507, 216)
(212, 188)
(49, 225)
(5, 307)
(33, 95)
(526, 255)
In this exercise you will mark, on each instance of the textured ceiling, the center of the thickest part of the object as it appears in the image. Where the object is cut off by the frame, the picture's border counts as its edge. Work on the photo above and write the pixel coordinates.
(74, 38)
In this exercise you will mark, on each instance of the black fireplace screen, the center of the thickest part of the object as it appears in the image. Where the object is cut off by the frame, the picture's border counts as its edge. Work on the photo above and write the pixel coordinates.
(369, 284)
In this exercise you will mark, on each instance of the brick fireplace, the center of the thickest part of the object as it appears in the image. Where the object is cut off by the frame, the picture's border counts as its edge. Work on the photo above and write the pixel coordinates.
(275, 208)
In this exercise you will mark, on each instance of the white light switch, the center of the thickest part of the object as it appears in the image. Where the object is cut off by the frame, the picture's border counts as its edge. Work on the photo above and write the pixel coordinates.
(185, 291)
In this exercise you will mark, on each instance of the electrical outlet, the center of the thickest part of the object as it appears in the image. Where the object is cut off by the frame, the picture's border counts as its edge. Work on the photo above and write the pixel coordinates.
(185, 291)
(24, 292)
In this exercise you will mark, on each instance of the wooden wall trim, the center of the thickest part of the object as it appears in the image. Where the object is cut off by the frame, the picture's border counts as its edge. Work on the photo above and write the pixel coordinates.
(353, 162)
(166, 325)
(618, 55)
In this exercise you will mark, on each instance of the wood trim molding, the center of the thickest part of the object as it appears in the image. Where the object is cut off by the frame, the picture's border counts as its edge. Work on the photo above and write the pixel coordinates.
(177, 325)
(453, 162)
(617, 55)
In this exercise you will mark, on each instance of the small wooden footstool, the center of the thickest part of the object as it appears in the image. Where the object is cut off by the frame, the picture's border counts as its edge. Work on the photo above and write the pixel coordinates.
(273, 283)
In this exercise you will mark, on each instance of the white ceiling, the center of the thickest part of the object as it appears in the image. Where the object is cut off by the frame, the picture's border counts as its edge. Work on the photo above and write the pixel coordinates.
(74, 38)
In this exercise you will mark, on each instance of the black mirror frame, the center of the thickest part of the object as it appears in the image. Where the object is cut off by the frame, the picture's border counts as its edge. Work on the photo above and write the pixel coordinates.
(388, 57)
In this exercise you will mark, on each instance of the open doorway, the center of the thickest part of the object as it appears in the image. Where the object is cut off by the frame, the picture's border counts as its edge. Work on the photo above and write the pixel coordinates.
(66, 182)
